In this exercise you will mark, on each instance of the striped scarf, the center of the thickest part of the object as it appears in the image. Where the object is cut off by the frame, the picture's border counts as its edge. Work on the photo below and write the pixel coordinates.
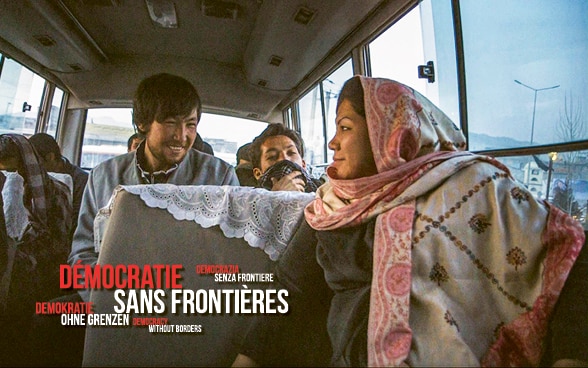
(50, 202)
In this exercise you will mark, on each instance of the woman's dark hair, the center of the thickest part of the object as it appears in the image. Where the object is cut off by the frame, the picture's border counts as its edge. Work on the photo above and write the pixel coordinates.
(9, 149)
(271, 131)
(162, 96)
(352, 91)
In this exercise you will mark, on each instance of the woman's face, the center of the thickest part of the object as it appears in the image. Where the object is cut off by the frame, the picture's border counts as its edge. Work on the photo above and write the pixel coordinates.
(352, 156)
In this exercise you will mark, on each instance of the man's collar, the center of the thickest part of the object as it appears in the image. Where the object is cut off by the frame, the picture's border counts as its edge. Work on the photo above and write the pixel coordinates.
(155, 177)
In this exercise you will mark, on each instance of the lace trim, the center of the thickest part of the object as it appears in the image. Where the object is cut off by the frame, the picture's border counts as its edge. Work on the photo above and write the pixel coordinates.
(265, 219)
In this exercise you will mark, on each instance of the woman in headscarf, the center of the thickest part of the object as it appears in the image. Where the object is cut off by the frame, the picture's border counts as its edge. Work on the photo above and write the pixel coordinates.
(425, 255)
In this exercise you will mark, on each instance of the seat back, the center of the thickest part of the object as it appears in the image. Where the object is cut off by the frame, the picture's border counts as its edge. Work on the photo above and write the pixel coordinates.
(140, 235)
(6, 250)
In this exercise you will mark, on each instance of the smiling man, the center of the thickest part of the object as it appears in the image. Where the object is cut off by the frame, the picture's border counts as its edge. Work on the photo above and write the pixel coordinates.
(166, 112)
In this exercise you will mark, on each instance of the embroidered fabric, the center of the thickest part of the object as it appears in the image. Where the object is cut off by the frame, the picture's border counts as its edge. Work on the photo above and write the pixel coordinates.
(265, 219)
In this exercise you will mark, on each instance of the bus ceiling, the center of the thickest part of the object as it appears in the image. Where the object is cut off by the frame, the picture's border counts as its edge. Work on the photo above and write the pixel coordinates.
(244, 56)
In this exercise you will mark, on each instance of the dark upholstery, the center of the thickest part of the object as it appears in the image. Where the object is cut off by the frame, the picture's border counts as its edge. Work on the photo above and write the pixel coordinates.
(137, 234)
(568, 334)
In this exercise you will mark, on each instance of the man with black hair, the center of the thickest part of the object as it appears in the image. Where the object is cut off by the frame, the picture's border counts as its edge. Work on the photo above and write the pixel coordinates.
(277, 157)
(167, 110)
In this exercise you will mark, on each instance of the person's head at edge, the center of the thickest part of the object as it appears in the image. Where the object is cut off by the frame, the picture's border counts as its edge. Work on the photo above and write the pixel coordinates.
(166, 111)
(242, 155)
(48, 151)
(10, 158)
(274, 144)
(134, 141)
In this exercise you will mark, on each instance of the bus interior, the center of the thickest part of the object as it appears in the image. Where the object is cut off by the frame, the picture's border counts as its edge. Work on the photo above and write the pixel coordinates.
(511, 74)
(512, 78)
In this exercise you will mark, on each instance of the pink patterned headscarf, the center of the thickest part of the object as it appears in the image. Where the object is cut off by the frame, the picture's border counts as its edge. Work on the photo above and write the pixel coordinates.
(408, 136)
(403, 125)
(437, 210)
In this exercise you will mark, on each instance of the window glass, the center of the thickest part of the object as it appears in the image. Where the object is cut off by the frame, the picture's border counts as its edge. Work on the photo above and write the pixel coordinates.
(331, 87)
(439, 47)
(397, 52)
(423, 34)
(106, 134)
(290, 119)
(108, 130)
(316, 132)
(526, 65)
(21, 91)
(55, 112)
(560, 177)
(311, 127)
(226, 134)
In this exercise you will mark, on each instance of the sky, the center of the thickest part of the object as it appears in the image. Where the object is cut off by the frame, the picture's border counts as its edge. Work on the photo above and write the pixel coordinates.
(541, 43)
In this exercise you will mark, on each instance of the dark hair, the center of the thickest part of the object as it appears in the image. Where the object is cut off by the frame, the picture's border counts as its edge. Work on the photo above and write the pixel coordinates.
(132, 138)
(352, 91)
(243, 153)
(8, 149)
(162, 96)
(45, 144)
(271, 131)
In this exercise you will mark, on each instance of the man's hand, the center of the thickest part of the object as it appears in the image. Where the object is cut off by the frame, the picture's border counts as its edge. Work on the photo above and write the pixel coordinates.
(289, 182)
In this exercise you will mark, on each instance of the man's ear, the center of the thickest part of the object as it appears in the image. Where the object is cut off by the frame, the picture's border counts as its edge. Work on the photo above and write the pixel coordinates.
(143, 128)
(303, 164)
(257, 173)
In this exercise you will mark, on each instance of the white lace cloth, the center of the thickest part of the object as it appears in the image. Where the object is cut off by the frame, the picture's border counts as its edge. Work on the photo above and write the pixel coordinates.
(15, 213)
(265, 219)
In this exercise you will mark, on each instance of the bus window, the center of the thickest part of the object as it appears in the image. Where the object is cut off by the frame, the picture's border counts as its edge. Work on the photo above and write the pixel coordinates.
(526, 68)
(396, 53)
(21, 91)
(317, 114)
(311, 126)
(55, 111)
(226, 134)
(424, 34)
(289, 118)
(560, 177)
(106, 135)
(331, 87)
(107, 132)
